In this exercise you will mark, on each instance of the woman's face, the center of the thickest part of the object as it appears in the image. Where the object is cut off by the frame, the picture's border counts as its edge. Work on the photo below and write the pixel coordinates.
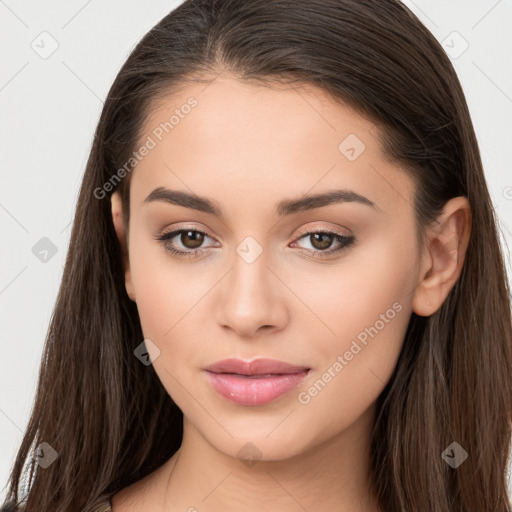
(267, 283)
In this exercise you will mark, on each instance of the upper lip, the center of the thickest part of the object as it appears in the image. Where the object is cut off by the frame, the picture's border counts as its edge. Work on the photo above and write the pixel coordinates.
(255, 367)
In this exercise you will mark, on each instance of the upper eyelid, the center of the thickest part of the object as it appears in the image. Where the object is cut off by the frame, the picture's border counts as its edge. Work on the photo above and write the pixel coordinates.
(306, 230)
(324, 229)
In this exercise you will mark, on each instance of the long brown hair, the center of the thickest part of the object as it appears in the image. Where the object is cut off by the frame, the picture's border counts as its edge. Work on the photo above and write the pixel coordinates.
(107, 415)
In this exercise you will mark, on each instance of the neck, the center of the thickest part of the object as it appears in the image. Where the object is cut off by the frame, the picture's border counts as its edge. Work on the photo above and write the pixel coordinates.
(332, 475)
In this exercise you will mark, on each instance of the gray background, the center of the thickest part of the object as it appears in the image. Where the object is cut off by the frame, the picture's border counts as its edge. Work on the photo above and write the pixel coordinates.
(50, 105)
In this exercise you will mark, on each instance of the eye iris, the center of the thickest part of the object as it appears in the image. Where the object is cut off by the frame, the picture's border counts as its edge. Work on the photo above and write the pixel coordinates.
(324, 244)
(197, 239)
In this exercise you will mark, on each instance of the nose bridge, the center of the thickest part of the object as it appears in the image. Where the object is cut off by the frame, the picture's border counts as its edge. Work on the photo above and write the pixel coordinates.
(250, 285)
(249, 297)
(250, 272)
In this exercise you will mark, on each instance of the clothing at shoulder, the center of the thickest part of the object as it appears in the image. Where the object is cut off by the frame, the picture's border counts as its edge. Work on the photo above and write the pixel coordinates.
(104, 507)
(9, 507)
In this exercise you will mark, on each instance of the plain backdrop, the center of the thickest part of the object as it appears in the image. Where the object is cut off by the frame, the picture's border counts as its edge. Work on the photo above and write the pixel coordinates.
(58, 60)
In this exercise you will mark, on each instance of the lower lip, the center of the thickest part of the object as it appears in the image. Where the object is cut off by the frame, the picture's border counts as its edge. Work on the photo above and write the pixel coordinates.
(243, 390)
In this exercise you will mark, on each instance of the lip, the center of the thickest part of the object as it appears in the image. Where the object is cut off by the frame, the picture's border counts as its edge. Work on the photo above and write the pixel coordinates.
(256, 382)
(255, 367)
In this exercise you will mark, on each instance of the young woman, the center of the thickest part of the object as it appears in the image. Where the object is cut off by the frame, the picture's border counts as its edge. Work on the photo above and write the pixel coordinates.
(284, 288)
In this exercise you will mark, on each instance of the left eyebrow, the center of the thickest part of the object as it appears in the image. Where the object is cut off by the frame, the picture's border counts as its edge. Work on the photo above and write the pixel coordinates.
(282, 209)
(309, 202)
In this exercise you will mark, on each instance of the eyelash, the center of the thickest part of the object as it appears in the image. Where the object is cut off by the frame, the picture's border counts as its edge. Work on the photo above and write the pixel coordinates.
(345, 241)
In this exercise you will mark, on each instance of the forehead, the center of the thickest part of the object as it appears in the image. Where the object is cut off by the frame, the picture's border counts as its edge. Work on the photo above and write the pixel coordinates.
(246, 142)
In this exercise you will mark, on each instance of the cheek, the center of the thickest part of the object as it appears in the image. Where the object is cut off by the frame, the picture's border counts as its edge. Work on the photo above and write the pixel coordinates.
(366, 296)
(157, 284)
(355, 370)
(365, 307)
(367, 303)
(170, 296)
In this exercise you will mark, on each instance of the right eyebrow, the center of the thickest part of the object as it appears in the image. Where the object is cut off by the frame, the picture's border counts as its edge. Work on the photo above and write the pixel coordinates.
(185, 199)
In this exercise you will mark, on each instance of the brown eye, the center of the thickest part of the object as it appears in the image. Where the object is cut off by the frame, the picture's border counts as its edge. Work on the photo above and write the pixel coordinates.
(321, 241)
(184, 242)
(191, 239)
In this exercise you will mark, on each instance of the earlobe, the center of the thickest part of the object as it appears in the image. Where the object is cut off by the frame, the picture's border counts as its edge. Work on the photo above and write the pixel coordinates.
(118, 221)
(444, 257)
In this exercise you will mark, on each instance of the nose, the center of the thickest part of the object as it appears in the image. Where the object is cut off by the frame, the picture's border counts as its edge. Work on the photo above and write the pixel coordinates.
(252, 299)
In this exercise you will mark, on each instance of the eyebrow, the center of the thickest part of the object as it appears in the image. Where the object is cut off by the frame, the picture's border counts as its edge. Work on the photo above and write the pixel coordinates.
(282, 209)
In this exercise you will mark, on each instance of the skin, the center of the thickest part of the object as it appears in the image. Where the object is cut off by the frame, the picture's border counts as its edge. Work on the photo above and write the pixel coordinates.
(248, 147)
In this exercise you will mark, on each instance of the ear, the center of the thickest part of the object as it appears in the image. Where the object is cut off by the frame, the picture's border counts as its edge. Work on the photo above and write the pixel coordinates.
(444, 256)
(118, 220)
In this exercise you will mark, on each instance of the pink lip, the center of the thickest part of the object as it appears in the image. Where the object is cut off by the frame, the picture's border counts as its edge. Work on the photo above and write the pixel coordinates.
(255, 382)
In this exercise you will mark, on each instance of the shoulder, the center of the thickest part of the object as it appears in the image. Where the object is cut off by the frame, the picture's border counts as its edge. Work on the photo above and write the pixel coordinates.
(126, 500)
(130, 499)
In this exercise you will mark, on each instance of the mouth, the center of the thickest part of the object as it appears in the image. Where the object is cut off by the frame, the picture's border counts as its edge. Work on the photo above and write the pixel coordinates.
(255, 367)
(262, 376)
(258, 382)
